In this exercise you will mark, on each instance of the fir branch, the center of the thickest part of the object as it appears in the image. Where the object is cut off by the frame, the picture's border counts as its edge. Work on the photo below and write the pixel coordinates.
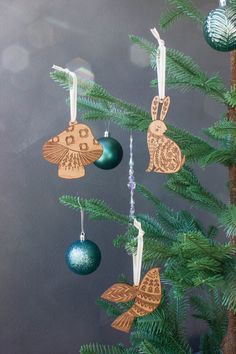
(96, 209)
(169, 18)
(226, 157)
(172, 222)
(184, 73)
(147, 348)
(228, 220)
(222, 129)
(99, 104)
(230, 97)
(103, 349)
(209, 309)
(195, 261)
(163, 328)
(186, 184)
(178, 9)
(111, 309)
(228, 287)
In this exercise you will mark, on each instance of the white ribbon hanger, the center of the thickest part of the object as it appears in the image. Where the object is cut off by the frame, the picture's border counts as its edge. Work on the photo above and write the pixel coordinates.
(160, 64)
(137, 258)
(73, 92)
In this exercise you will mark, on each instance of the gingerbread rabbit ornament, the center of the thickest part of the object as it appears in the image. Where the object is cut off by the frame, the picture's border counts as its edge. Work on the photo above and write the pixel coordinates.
(75, 147)
(165, 154)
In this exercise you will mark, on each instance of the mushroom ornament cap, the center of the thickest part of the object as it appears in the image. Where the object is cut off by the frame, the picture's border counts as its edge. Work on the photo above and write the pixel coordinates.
(72, 149)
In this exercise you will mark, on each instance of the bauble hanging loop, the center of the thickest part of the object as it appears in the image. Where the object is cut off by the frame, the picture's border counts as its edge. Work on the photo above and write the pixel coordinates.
(220, 27)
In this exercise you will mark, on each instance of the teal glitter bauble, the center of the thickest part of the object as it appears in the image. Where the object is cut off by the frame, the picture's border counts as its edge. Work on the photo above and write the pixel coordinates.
(83, 257)
(112, 153)
(220, 28)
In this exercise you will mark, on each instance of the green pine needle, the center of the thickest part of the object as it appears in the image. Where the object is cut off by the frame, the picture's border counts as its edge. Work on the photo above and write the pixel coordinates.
(178, 9)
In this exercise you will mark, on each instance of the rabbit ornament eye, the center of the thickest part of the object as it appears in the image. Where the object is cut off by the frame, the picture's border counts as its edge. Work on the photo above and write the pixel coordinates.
(158, 127)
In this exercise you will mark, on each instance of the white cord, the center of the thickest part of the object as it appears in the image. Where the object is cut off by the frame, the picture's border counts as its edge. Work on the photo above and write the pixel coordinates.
(73, 92)
(82, 233)
(137, 258)
(161, 64)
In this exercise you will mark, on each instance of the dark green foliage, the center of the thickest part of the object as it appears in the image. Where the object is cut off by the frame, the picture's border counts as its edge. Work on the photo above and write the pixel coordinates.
(164, 328)
(222, 130)
(97, 209)
(187, 251)
(178, 9)
(230, 98)
(184, 73)
(148, 348)
(103, 349)
(110, 308)
(209, 309)
(186, 184)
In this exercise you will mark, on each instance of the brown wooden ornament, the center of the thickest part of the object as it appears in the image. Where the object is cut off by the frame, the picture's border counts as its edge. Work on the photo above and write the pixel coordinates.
(165, 154)
(147, 298)
(72, 149)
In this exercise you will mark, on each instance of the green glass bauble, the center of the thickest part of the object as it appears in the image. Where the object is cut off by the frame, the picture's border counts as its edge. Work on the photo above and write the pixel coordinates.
(83, 257)
(220, 28)
(112, 153)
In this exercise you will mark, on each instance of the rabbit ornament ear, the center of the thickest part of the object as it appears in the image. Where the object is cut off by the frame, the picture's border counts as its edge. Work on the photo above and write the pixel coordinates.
(154, 107)
(165, 107)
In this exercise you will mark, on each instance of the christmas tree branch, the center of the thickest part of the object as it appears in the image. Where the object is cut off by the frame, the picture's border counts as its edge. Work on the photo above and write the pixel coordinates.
(96, 209)
(184, 73)
(103, 349)
(186, 184)
(209, 309)
(178, 9)
(97, 104)
(163, 328)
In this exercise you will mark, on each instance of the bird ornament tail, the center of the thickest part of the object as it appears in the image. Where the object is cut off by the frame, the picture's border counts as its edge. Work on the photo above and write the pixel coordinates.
(124, 322)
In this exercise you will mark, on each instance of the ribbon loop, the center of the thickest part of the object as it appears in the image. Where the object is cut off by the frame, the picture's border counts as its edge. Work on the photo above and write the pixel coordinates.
(82, 233)
(160, 64)
(137, 258)
(73, 92)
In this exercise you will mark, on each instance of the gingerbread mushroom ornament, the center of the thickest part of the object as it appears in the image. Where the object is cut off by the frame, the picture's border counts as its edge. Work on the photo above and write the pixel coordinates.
(76, 146)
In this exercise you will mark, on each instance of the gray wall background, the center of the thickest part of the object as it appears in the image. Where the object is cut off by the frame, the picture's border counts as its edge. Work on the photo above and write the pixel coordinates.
(44, 308)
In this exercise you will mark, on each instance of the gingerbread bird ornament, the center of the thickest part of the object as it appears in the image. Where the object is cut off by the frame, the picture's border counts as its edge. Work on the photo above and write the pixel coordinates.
(75, 147)
(146, 295)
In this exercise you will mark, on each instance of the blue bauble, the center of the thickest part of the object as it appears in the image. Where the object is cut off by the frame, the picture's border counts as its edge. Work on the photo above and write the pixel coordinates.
(220, 28)
(112, 153)
(83, 257)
